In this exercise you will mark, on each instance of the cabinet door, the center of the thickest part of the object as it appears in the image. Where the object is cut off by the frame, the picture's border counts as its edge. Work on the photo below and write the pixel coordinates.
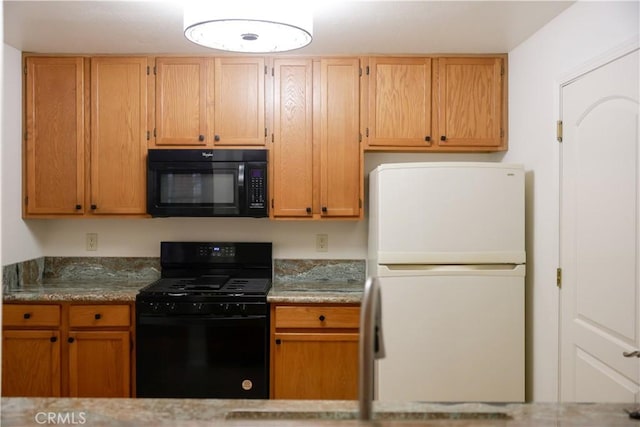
(31, 363)
(118, 135)
(239, 101)
(470, 102)
(316, 366)
(54, 92)
(399, 102)
(99, 364)
(293, 138)
(182, 101)
(341, 176)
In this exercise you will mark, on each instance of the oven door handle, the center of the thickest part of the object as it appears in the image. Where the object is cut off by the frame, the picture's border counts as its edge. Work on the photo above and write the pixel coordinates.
(198, 320)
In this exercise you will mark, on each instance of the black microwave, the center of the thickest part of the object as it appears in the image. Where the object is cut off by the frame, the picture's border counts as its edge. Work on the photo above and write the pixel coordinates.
(189, 182)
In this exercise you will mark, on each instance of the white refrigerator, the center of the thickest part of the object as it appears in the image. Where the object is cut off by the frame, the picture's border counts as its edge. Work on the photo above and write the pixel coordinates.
(447, 242)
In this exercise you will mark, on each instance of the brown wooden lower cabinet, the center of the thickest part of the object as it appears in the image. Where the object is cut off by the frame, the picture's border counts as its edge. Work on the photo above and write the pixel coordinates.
(314, 351)
(66, 349)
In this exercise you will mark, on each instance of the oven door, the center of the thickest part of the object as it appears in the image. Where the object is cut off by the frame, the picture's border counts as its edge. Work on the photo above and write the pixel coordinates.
(195, 188)
(202, 356)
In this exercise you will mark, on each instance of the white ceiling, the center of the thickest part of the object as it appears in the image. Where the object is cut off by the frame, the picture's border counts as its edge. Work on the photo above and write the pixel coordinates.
(340, 27)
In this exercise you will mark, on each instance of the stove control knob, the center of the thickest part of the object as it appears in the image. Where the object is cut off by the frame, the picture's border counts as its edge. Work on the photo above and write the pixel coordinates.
(225, 308)
(243, 309)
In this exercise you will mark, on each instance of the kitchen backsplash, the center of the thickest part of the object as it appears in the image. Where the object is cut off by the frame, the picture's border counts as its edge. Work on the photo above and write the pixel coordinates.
(336, 270)
(59, 269)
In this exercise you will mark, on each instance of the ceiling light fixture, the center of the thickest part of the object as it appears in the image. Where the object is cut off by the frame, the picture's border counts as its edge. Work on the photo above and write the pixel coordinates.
(249, 27)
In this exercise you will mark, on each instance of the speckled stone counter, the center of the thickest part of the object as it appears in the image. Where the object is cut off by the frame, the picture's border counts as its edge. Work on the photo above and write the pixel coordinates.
(206, 412)
(93, 291)
(317, 281)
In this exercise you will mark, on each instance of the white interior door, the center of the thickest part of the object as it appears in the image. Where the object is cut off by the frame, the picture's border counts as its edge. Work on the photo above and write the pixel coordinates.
(599, 244)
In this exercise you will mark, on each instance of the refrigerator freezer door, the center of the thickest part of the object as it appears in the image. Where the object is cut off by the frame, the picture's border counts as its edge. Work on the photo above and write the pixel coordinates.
(447, 213)
(453, 337)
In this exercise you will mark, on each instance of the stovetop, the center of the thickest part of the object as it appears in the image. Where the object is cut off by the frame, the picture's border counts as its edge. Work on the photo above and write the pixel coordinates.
(210, 272)
(210, 285)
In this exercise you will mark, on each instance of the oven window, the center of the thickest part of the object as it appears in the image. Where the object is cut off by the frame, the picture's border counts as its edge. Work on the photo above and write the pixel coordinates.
(217, 188)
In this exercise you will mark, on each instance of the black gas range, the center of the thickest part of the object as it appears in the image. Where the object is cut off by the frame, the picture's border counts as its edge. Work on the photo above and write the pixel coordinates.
(203, 328)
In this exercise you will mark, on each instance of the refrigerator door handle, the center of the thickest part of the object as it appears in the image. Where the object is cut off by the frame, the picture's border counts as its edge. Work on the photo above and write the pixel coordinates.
(401, 270)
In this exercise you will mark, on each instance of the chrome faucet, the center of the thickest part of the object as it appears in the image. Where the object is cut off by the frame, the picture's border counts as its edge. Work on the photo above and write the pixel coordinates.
(371, 344)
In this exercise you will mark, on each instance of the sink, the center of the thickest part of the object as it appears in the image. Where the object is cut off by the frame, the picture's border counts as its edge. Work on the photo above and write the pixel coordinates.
(352, 415)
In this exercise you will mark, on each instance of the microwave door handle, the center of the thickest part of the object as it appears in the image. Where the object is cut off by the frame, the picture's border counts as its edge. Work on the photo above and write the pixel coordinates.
(241, 175)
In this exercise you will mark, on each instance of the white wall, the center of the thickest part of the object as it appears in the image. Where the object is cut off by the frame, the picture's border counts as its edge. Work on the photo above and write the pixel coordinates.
(536, 68)
(19, 241)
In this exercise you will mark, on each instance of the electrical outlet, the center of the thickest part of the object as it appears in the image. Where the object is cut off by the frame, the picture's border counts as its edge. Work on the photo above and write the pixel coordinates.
(322, 242)
(92, 241)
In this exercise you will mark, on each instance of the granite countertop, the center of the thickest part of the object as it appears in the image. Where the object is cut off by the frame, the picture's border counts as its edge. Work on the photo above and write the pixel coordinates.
(319, 291)
(338, 292)
(205, 412)
(89, 291)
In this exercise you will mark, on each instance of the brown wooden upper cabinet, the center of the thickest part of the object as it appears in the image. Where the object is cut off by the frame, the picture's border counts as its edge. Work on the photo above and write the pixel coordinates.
(118, 135)
(54, 149)
(316, 156)
(399, 102)
(436, 104)
(471, 99)
(61, 127)
(206, 102)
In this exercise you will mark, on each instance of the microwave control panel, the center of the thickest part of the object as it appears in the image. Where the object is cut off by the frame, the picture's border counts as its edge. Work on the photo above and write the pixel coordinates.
(257, 188)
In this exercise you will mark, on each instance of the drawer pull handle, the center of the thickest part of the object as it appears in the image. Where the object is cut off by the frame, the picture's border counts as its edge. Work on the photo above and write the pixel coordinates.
(631, 354)
(70, 339)
(322, 318)
(27, 315)
(53, 339)
(97, 316)
(278, 341)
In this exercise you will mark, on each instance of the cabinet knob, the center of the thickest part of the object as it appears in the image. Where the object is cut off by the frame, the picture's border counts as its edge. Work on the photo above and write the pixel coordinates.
(309, 210)
(201, 138)
(53, 339)
(322, 318)
(278, 341)
(216, 137)
(94, 207)
(427, 138)
(70, 339)
(443, 138)
(78, 207)
(27, 315)
(324, 209)
(97, 316)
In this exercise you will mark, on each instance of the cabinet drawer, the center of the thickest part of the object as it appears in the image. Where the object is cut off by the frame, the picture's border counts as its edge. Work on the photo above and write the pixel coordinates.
(30, 315)
(317, 317)
(99, 315)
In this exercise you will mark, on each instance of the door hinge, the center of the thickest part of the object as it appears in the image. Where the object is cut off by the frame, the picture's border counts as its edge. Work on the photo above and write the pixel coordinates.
(265, 70)
(559, 130)
(366, 133)
(265, 133)
(154, 132)
(273, 72)
(26, 201)
(26, 135)
(360, 203)
(155, 70)
(25, 69)
(501, 133)
(367, 70)
(559, 277)
(359, 137)
(502, 70)
(360, 71)
(272, 138)
(271, 203)
(148, 70)
(148, 135)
